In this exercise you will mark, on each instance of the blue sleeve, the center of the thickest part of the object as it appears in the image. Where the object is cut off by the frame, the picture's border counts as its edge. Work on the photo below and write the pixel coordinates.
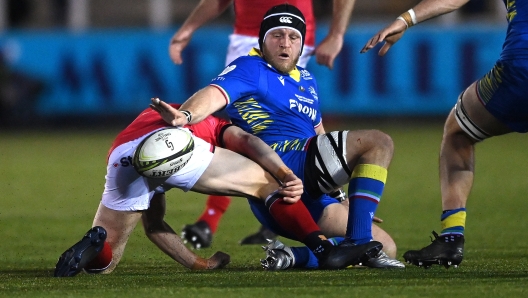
(239, 79)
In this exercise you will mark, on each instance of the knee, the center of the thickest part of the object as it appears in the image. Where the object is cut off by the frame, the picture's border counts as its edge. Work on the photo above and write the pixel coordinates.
(383, 142)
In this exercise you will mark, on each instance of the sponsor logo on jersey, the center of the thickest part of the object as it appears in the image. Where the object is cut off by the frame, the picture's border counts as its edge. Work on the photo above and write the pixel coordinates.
(124, 162)
(285, 20)
(227, 69)
(304, 99)
(306, 74)
(281, 79)
(311, 89)
(310, 112)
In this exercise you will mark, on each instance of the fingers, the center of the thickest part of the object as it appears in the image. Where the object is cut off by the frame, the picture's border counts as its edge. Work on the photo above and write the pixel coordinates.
(377, 219)
(371, 43)
(384, 49)
(218, 260)
(291, 200)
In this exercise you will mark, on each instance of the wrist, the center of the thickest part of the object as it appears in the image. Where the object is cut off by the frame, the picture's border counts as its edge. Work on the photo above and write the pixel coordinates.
(188, 115)
(199, 264)
(409, 17)
(282, 172)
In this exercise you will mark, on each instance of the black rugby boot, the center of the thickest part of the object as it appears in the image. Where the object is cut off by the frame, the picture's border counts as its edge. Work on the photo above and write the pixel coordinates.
(445, 250)
(73, 260)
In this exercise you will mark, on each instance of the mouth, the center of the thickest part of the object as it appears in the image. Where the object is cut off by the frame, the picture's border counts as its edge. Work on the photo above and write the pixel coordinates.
(284, 56)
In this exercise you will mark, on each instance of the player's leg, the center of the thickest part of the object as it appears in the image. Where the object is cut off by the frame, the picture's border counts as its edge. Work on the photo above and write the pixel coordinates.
(200, 234)
(332, 219)
(333, 222)
(232, 174)
(494, 105)
(368, 155)
(118, 225)
(361, 157)
(468, 123)
(101, 247)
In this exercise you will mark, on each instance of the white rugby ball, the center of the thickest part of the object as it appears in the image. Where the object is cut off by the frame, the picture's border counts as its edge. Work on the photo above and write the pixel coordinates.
(163, 153)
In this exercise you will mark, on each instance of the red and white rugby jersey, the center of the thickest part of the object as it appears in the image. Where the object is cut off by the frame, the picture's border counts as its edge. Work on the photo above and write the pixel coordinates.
(149, 120)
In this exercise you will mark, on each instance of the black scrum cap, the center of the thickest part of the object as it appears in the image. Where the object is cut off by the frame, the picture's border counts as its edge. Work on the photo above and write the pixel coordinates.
(282, 16)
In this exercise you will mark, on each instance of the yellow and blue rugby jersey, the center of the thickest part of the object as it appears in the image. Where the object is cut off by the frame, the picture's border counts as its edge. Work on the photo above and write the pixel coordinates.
(516, 43)
(281, 109)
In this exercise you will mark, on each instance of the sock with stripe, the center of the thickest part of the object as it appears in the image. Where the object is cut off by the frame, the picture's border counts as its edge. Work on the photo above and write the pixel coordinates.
(453, 222)
(364, 190)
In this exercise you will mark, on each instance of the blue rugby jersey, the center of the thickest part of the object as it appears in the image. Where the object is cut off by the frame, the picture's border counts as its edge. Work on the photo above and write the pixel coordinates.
(279, 108)
(516, 42)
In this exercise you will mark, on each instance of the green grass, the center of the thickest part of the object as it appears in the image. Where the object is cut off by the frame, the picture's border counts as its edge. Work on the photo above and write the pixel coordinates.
(51, 184)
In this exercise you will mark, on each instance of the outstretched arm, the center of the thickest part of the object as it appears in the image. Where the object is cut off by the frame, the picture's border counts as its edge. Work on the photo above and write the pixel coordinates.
(204, 12)
(423, 11)
(202, 104)
(329, 48)
(161, 234)
(237, 140)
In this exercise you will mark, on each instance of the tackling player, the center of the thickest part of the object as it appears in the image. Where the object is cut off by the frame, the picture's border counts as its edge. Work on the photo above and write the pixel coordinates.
(494, 105)
(129, 197)
(248, 15)
(267, 95)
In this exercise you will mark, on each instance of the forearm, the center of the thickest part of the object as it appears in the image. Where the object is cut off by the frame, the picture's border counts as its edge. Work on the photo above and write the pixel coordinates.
(428, 9)
(341, 12)
(204, 12)
(172, 245)
(203, 103)
(253, 148)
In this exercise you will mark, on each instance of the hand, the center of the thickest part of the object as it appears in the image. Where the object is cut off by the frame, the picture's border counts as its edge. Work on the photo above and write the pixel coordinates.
(218, 260)
(176, 48)
(292, 188)
(169, 114)
(377, 219)
(390, 34)
(327, 51)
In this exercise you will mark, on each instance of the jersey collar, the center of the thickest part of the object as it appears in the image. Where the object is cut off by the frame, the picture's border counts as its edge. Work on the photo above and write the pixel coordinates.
(294, 74)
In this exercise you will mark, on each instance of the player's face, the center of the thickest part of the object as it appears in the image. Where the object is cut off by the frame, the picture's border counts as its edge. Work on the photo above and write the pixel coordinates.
(282, 48)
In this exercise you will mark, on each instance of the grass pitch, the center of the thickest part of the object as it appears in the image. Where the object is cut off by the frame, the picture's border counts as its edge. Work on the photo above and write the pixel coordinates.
(51, 184)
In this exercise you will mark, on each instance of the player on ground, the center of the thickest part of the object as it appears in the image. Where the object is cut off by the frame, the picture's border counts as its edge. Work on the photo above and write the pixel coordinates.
(129, 197)
(267, 95)
(494, 105)
(248, 15)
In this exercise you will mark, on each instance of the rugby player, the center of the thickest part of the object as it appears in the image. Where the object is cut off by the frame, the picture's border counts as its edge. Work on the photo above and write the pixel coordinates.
(494, 105)
(266, 94)
(129, 197)
(248, 15)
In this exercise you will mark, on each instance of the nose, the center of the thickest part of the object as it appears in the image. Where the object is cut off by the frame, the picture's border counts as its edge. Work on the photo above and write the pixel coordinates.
(286, 42)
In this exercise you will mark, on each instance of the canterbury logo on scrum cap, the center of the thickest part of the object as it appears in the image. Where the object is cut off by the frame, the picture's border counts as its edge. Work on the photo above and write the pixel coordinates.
(285, 19)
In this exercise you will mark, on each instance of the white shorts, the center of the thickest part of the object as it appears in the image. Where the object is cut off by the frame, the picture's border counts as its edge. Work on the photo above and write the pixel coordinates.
(240, 45)
(126, 190)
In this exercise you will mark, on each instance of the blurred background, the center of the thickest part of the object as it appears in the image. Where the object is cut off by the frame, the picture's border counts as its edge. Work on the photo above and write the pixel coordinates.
(94, 62)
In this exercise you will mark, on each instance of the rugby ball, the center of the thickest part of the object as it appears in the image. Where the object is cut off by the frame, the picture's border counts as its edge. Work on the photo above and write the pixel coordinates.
(163, 153)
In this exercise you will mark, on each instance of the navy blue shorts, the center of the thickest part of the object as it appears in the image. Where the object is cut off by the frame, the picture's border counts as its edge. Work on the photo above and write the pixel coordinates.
(315, 207)
(504, 92)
